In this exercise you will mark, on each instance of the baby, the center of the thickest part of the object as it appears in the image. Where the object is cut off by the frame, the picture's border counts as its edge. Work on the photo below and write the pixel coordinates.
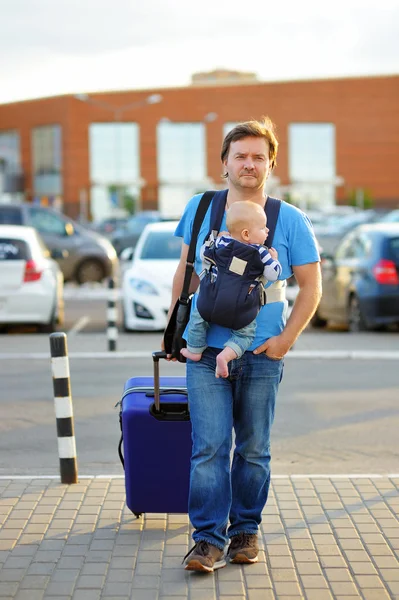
(246, 224)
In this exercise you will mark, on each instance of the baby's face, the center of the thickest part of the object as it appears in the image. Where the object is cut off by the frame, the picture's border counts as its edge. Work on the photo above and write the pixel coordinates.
(258, 230)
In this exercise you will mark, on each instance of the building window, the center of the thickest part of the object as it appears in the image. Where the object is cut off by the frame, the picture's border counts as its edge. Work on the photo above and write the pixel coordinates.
(114, 168)
(47, 161)
(311, 162)
(11, 178)
(181, 157)
(228, 127)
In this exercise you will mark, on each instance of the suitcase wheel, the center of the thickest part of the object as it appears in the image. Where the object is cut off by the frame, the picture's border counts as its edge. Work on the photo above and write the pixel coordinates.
(137, 515)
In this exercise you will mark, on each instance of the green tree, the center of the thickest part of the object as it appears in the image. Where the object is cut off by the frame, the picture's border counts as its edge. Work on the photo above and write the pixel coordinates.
(129, 203)
(126, 200)
(360, 197)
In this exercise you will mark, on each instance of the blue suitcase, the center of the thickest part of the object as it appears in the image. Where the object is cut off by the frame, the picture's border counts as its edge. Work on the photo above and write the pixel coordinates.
(156, 438)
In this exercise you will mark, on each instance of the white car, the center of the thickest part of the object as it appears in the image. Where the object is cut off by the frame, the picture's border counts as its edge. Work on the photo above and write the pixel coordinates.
(31, 282)
(147, 280)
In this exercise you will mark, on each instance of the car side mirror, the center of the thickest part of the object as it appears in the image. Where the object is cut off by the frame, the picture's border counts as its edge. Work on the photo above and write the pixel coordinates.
(326, 256)
(69, 229)
(327, 260)
(127, 254)
(59, 253)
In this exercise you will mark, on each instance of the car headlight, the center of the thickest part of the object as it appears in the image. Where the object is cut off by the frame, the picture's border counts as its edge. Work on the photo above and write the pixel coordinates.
(108, 248)
(143, 287)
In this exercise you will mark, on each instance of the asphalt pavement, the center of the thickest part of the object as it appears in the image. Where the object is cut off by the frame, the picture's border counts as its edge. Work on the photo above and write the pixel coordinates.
(337, 409)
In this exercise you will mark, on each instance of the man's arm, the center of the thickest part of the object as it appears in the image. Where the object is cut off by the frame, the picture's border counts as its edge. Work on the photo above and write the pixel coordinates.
(308, 278)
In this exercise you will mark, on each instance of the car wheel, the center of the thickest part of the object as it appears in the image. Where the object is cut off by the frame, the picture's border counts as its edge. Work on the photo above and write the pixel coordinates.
(126, 329)
(356, 321)
(90, 270)
(51, 326)
(317, 322)
(60, 317)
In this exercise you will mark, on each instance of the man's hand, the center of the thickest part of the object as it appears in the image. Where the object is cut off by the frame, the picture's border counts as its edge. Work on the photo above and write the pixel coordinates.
(309, 280)
(168, 356)
(275, 347)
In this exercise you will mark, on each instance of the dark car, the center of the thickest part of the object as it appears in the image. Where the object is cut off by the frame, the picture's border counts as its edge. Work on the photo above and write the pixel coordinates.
(128, 235)
(361, 280)
(108, 226)
(85, 255)
(391, 217)
(331, 232)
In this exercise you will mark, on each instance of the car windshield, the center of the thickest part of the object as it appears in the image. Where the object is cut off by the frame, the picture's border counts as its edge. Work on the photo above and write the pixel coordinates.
(10, 215)
(137, 223)
(12, 249)
(394, 249)
(161, 245)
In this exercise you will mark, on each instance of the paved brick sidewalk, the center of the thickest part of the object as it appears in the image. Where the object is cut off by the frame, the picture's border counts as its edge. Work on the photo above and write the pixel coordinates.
(325, 538)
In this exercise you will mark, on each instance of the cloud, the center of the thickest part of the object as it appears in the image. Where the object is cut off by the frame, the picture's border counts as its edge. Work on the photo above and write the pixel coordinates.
(95, 44)
(93, 26)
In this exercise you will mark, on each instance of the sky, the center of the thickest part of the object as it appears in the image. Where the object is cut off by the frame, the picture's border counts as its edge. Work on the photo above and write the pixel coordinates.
(53, 47)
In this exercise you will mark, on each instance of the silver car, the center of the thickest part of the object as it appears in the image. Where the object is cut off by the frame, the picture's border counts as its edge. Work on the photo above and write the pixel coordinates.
(84, 255)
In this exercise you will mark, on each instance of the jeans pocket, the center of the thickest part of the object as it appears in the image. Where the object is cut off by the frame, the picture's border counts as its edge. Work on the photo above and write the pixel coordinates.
(277, 360)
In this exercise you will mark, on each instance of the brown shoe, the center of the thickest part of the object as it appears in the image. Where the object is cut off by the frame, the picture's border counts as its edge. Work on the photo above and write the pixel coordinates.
(243, 548)
(204, 557)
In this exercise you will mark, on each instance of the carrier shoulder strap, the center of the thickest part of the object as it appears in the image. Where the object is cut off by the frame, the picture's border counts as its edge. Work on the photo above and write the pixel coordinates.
(217, 212)
(203, 206)
(272, 209)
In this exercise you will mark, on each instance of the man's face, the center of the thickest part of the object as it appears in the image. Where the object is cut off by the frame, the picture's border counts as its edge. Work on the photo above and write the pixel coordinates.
(248, 163)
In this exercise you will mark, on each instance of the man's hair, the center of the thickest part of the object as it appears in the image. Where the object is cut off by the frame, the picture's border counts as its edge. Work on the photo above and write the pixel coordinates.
(264, 128)
(241, 215)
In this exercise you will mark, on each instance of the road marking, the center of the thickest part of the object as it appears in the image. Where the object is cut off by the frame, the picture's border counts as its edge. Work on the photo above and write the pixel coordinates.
(79, 325)
(91, 294)
(302, 476)
(301, 354)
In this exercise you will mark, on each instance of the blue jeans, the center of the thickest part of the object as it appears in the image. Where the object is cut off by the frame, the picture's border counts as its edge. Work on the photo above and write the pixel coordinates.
(245, 400)
(240, 339)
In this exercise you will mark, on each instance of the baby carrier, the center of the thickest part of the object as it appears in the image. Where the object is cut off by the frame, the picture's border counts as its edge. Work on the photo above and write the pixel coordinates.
(232, 293)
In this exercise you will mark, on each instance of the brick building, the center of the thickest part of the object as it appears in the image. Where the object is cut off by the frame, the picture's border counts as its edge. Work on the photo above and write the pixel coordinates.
(339, 138)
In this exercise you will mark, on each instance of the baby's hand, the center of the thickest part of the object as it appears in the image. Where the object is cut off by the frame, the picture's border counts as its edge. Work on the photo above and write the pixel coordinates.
(223, 233)
(273, 253)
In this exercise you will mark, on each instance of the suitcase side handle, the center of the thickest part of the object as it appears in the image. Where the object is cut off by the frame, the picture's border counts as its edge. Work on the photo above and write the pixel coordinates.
(155, 357)
(171, 411)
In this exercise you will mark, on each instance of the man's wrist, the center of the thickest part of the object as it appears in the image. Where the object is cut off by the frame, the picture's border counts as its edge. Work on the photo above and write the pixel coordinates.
(287, 339)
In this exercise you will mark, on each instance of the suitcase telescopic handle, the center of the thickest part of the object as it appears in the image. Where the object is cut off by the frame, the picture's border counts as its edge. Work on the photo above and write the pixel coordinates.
(155, 357)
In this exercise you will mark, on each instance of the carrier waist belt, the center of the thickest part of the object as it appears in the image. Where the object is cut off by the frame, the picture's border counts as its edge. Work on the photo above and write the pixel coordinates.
(276, 292)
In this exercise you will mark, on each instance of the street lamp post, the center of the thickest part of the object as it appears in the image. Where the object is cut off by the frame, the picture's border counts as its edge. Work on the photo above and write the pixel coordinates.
(117, 112)
(173, 189)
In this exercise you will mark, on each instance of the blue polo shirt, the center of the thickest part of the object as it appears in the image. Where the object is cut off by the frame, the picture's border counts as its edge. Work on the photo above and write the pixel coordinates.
(296, 245)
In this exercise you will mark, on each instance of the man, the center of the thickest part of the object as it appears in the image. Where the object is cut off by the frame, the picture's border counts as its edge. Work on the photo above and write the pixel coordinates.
(226, 503)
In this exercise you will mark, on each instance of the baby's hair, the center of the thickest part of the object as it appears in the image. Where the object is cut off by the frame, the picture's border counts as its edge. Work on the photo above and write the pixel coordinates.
(242, 214)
